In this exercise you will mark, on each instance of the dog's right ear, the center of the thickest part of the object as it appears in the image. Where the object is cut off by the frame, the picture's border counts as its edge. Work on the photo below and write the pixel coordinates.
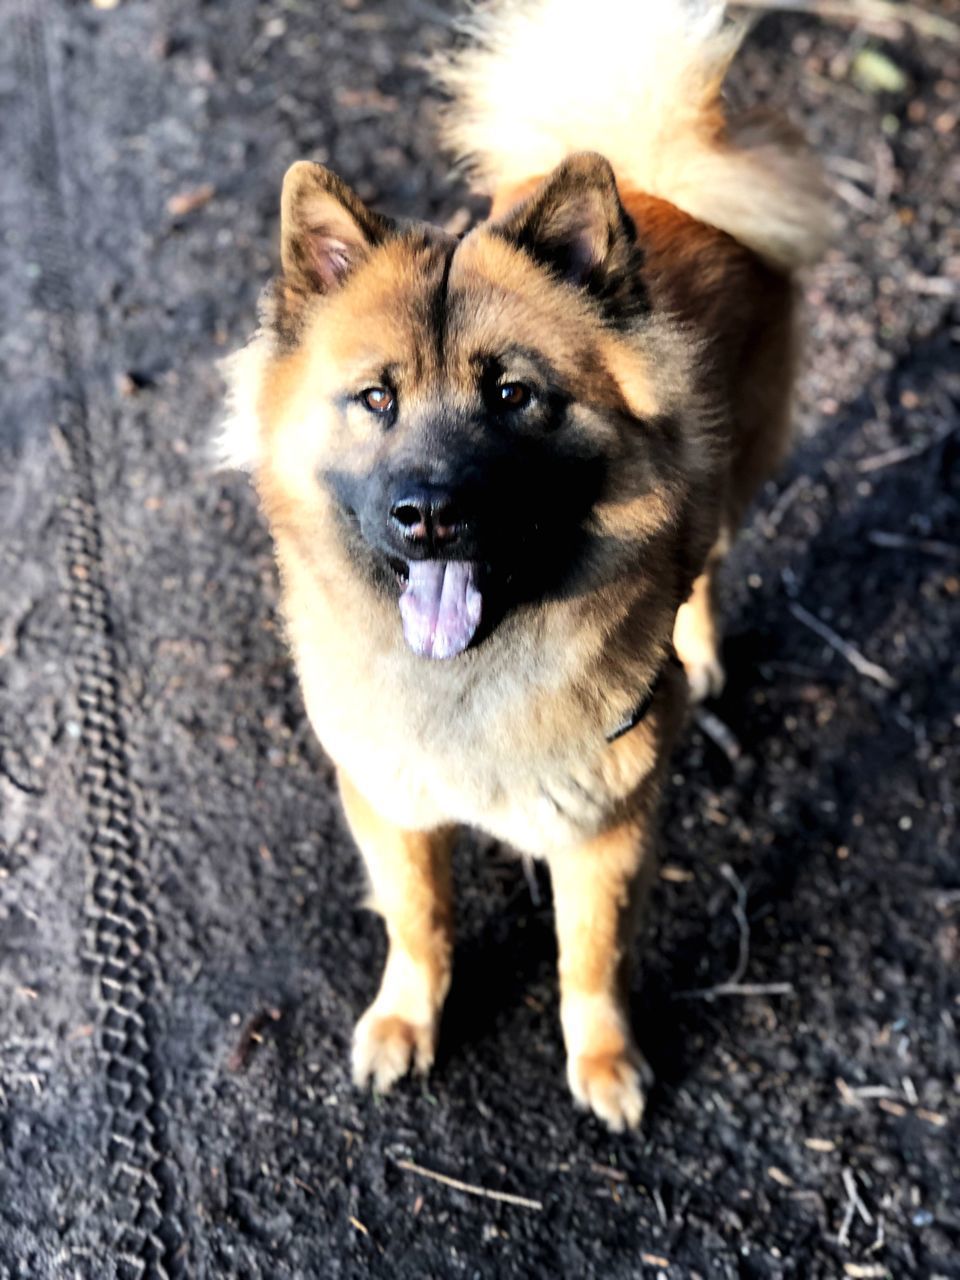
(325, 230)
(575, 225)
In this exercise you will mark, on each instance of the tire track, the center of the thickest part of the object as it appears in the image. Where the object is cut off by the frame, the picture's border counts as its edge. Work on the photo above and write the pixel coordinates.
(120, 931)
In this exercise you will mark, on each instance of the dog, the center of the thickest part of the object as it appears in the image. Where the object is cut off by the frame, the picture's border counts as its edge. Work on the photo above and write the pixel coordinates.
(500, 471)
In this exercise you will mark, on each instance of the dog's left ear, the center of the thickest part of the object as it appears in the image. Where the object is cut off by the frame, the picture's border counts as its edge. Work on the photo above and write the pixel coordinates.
(325, 229)
(575, 225)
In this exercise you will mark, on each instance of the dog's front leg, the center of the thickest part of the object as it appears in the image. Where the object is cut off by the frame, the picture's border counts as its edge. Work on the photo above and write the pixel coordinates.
(411, 888)
(597, 889)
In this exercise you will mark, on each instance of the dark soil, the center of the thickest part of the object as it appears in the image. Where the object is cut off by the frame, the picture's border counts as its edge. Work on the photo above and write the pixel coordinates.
(173, 863)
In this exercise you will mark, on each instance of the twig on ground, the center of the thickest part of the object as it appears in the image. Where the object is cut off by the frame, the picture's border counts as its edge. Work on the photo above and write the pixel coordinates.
(847, 167)
(743, 924)
(902, 453)
(820, 1144)
(661, 1207)
(846, 1093)
(892, 1108)
(843, 1235)
(931, 1117)
(720, 734)
(870, 670)
(738, 989)
(851, 194)
(933, 286)
(884, 15)
(771, 521)
(504, 1196)
(880, 1238)
(929, 546)
(853, 1206)
(734, 986)
(853, 1191)
(876, 1091)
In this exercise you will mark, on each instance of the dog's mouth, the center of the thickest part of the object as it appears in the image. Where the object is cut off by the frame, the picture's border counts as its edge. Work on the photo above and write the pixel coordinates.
(441, 601)
(441, 605)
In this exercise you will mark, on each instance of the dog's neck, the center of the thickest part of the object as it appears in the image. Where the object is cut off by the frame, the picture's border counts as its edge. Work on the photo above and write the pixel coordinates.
(646, 701)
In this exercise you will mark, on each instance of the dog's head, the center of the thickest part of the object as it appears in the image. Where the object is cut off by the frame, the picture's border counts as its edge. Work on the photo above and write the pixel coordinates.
(478, 423)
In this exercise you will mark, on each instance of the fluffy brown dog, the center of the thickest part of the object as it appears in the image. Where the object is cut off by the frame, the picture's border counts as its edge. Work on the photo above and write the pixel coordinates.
(501, 469)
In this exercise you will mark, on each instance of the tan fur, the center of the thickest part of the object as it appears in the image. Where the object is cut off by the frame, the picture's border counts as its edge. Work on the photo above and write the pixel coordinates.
(410, 878)
(641, 82)
(598, 887)
(520, 770)
(711, 283)
(687, 407)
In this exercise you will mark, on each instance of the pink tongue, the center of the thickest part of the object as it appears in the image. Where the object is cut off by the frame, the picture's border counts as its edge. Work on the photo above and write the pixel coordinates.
(440, 607)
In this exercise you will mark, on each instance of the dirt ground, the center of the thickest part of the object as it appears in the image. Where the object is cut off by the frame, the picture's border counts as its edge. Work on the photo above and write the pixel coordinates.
(183, 947)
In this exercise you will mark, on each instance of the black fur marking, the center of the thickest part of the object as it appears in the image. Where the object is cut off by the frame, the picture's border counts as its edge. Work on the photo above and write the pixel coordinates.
(576, 227)
(438, 316)
(549, 402)
(529, 510)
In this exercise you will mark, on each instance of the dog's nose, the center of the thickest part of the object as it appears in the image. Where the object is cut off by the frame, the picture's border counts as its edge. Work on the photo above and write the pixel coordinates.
(425, 516)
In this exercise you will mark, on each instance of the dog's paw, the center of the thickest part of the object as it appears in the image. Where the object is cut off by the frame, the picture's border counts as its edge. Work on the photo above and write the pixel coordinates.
(386, 1047)
(695, 642)
(611, 1085)
(705, 676)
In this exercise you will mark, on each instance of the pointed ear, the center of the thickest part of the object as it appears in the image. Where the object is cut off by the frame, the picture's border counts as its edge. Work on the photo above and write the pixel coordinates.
(325, 229)
(575, 225)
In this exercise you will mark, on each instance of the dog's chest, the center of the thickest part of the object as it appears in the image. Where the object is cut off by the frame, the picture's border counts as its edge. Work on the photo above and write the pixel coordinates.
(498, 754)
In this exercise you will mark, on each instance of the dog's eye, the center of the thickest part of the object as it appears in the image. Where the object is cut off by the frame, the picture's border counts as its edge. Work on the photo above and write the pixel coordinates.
(513, 395)
(378, 399)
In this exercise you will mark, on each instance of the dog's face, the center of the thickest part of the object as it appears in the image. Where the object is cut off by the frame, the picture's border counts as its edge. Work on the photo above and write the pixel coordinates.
(478, 424)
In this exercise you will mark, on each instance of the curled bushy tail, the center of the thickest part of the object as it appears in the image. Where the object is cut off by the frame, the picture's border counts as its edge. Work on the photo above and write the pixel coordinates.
(638, 81)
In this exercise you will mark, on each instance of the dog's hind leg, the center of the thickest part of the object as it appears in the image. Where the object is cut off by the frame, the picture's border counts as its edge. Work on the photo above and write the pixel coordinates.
(598, 888)
(411, 888)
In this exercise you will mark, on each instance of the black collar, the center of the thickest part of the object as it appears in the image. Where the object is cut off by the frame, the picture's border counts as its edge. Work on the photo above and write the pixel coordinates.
(645, 703)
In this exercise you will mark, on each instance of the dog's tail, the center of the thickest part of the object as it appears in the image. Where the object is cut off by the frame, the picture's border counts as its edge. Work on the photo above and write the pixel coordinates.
(640, 82)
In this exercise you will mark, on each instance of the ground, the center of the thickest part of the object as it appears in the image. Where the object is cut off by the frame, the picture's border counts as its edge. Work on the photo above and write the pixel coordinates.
(184, 948)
